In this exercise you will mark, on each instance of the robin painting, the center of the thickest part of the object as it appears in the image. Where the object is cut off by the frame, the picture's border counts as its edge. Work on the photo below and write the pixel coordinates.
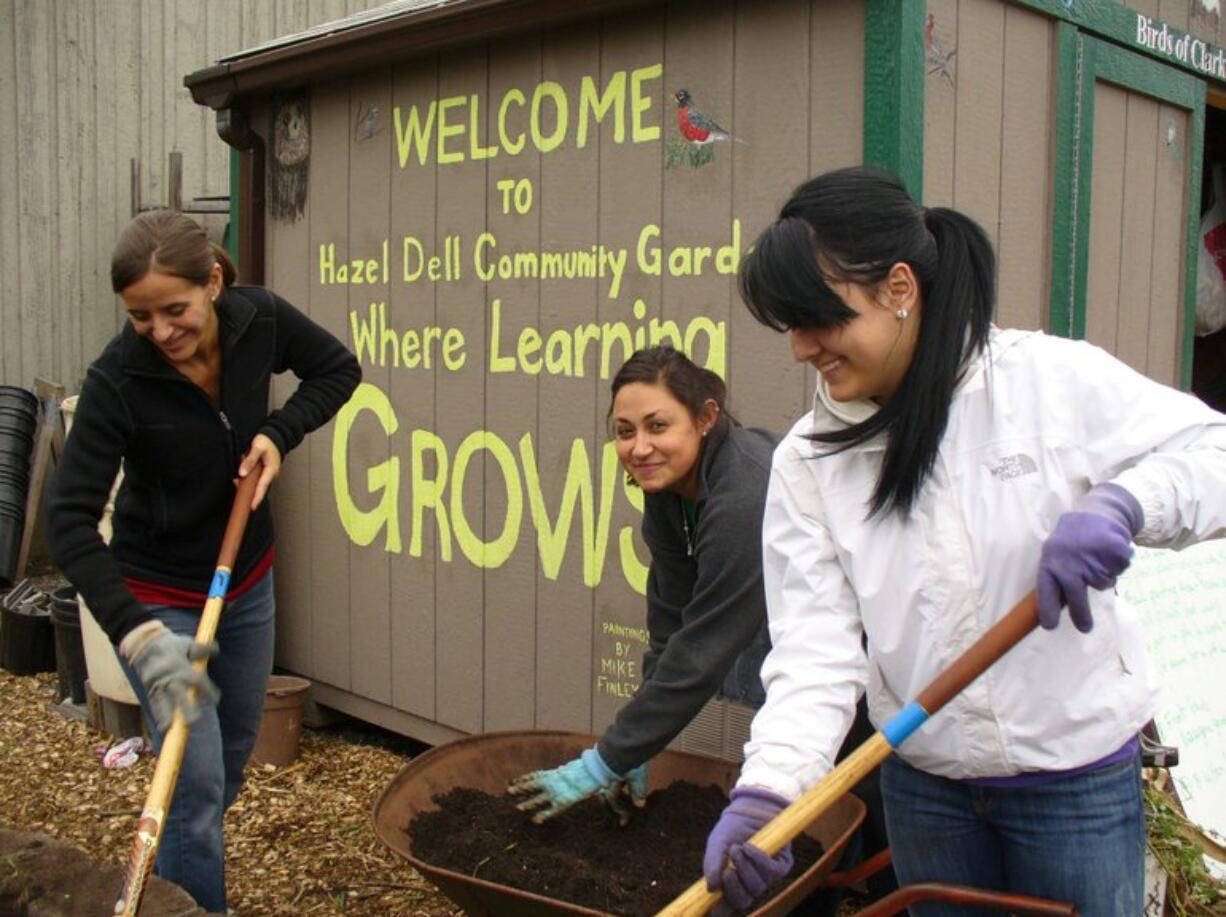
(696, 127)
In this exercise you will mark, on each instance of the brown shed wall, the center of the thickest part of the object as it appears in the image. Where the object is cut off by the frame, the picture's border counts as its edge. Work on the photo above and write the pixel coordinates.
(446, 630)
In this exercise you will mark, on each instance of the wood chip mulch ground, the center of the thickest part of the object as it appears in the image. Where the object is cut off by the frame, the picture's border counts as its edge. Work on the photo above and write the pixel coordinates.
(299, 838)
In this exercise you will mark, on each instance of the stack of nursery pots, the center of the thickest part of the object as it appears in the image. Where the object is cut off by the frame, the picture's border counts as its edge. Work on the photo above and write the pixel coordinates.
(18, 419)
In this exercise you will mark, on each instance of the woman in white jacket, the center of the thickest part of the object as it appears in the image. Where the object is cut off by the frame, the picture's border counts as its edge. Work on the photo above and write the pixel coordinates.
(944, 467)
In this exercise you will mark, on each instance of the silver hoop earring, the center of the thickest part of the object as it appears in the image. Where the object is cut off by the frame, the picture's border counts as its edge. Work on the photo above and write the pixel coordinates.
(901, 314)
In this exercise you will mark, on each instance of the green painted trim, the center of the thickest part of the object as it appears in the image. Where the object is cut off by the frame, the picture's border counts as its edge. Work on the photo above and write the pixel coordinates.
(1196, 150)
(1064, 197)
(1087, 76)
(1082, 62)
(894, 64)
(235, 166)
(1117, 22)
(1143, 74)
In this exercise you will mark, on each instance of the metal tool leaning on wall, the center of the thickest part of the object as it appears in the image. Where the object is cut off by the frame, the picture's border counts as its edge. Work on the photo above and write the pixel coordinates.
(947, 467)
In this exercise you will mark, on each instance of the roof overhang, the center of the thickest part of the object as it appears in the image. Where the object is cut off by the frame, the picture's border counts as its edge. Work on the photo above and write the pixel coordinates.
(387, 34)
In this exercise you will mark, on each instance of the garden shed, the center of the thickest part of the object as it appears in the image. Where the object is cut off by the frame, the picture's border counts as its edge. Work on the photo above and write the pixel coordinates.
(494, 202)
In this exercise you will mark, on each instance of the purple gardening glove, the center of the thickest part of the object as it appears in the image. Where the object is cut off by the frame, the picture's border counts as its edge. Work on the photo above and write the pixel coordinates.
(753, 871)
(1091, 546)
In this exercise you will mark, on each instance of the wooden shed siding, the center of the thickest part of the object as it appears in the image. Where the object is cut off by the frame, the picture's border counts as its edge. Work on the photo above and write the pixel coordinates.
(472, 646)
(1134, 290)
(989, 116)
(413, 584)
(86, 86)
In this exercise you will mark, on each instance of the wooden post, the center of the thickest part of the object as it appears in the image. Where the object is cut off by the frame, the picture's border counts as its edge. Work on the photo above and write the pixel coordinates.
(48, 442)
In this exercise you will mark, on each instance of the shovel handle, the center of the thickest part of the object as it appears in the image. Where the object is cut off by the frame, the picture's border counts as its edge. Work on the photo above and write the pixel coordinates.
(174, 743)
(784, 827)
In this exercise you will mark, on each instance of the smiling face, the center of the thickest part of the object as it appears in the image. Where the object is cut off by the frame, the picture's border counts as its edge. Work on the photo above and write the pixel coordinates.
(658, 441)
(176, 315)
(866, 357)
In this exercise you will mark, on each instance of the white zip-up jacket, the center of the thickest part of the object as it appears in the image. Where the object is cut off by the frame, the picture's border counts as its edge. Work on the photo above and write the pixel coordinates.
(1035, 424)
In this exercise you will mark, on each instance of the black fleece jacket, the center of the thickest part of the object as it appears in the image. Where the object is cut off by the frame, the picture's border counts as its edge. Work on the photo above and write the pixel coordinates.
(180, 453)
(706, 608)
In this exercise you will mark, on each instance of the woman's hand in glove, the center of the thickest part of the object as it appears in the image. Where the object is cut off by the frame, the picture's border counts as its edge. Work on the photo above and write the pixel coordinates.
(554, 791)
(1090, 547)
(633, 787)
(752, 871)
(164, 662)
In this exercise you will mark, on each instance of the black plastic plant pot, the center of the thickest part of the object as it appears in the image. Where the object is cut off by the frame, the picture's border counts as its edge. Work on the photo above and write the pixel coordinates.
(18, 421)
(12, 396)
(27, 642)
(10, 544)
(12, 440)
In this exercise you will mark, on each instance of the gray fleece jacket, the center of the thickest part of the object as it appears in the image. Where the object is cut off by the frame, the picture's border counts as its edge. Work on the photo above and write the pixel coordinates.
(706, 610)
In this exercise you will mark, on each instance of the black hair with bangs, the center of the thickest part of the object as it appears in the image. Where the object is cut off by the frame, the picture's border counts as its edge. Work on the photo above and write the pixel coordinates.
(853, 225)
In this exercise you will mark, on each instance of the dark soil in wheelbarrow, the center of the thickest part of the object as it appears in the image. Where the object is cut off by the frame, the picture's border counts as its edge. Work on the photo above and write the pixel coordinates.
(582, 856)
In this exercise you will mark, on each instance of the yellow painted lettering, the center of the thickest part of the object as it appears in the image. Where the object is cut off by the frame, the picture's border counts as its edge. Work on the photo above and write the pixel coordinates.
(551, 537)
(476, 150)
(410, 349)
(640, 102)
(598, 106)
(454, 356)
(487, 554)
(446, 130)
(646, 253)
(548, 89)
(633, 570)
(728, 257)
(414, 135)
(429, 493)
(558, 354)
(412, 251)
(498, 363)
(528, 350)
(383, 479)
(716, 333)
(513, 146)
(484, 270)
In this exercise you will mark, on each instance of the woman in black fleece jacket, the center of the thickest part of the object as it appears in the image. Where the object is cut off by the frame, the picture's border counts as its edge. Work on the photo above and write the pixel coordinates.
(180, 397)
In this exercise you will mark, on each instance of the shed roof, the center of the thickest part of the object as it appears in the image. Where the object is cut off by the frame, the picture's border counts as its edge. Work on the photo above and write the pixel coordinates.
(385, 34)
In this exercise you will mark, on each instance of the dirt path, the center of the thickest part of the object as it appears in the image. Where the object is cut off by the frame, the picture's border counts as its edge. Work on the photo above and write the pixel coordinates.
(299, 839)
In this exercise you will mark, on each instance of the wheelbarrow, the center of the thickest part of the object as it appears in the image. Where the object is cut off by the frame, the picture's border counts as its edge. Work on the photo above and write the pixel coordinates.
(489, 762)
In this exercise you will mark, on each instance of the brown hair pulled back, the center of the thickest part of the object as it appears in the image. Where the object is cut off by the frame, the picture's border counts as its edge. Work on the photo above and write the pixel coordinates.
(689, 383)
(168, 241)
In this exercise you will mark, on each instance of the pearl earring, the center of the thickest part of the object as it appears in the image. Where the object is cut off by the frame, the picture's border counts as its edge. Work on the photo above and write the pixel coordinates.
(901, 314)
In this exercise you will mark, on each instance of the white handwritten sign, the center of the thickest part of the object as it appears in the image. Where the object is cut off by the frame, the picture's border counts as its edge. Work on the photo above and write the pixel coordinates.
(1180, 598)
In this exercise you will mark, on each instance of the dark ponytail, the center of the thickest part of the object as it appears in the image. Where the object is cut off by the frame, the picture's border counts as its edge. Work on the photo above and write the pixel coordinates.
(860, 223)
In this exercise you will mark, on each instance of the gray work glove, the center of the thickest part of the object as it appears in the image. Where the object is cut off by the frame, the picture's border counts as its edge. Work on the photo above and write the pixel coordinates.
(163, 661)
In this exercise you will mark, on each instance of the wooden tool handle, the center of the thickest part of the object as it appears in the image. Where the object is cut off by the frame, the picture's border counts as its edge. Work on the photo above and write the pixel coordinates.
(174, 743)
(784, 827)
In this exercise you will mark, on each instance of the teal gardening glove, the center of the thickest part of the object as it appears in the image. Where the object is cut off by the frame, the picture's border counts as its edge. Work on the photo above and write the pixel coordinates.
(164, 662)
(554, 791)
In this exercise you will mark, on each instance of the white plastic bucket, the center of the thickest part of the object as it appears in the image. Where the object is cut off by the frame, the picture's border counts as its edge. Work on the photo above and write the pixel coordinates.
(106, 678)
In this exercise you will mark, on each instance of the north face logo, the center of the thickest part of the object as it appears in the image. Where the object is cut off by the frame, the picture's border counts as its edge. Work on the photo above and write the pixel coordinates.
(1013, 466)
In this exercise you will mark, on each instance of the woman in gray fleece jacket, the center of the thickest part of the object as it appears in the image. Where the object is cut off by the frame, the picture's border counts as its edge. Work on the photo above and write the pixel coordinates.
(704, 481)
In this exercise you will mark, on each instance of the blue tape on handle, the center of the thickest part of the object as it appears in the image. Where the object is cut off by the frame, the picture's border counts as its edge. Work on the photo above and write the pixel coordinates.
(904, 722)
(221, 582)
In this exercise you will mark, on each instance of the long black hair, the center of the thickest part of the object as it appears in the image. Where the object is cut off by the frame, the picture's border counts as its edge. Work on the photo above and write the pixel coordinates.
(861, 222)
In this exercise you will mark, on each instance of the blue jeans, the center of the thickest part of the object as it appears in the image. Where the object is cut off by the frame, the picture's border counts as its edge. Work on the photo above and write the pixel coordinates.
(1079, 840)
(191, 852)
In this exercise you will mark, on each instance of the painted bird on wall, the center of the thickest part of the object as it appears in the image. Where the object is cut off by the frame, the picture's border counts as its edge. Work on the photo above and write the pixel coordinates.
(696, 127)
(939, 60)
